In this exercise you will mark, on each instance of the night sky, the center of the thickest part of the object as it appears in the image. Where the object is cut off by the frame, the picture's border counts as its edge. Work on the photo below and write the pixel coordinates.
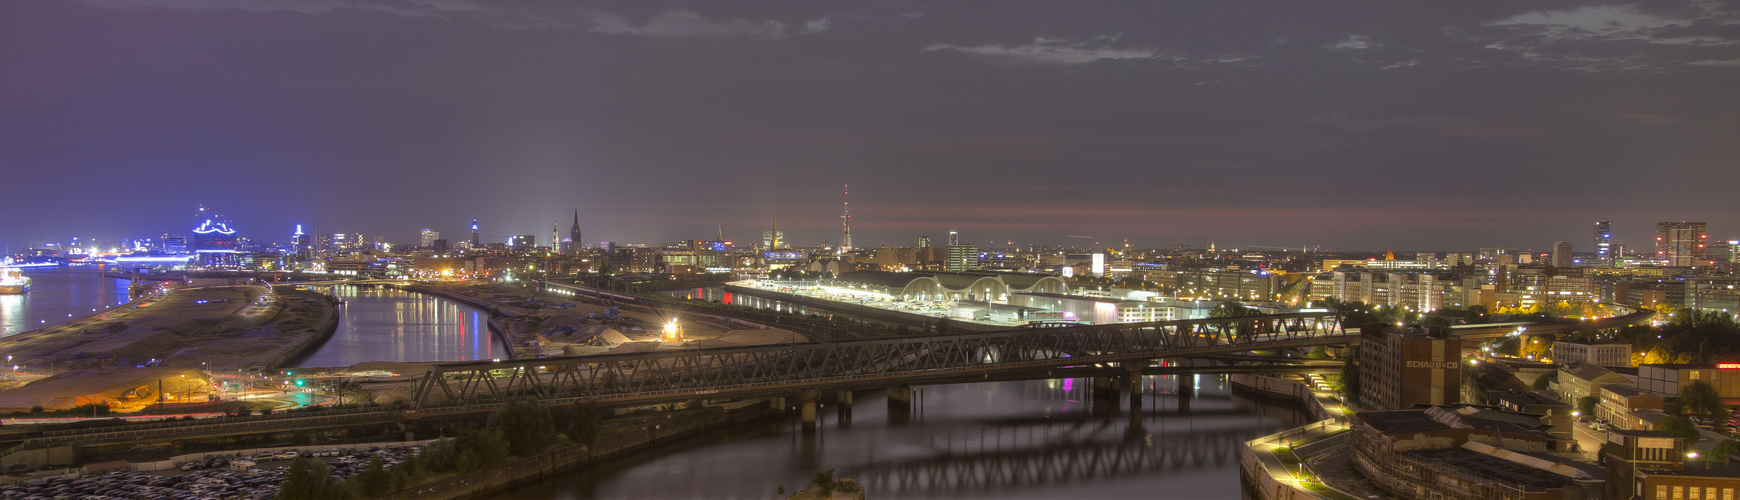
(1412, 125)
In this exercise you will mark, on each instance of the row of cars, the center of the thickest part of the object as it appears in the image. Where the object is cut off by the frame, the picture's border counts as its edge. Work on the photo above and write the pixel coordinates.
(216, 478)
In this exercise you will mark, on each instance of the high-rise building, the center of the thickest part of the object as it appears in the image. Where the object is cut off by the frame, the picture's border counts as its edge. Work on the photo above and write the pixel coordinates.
(1603, 243)
(574, 240)
(299, 240)
(428, 238)
(846, 221)
(474, 242)
(213, 237)
(954, 238)
(963, 258)
(1561, 254)
(1681, 243)
(924, 242)
(555, 236)
(1400, 367)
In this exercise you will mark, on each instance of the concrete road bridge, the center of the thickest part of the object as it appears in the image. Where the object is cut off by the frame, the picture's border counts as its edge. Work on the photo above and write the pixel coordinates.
(1637, 316)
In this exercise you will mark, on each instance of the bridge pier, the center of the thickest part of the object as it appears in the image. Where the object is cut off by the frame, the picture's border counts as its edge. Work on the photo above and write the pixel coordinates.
(900, 397)
(899, 405)
(1186, 392)
(807, 412)
(843, 397)
(777, 405)
(1105, 395)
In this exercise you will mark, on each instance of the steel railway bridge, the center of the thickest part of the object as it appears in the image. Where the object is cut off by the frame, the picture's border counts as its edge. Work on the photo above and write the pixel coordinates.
(802, 369)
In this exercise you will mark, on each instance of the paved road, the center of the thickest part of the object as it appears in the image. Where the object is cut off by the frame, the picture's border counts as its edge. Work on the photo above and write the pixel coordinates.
(1589, 440)
(1328, 458)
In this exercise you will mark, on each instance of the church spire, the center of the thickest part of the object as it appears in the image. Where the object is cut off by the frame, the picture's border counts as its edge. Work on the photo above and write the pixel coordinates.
(574, 241)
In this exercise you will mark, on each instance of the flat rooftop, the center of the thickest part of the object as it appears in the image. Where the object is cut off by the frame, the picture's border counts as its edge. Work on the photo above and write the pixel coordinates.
(1498, 469)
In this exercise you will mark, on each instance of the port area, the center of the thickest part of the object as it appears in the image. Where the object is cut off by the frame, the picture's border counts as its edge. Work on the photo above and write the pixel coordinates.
(552, 323)
(183, 347)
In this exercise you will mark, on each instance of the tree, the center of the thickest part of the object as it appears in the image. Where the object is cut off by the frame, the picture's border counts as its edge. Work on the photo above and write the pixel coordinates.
(584, 429)
(1679, 426)
(1350, 375)
(942, 326)
(309, 479)
(1725, 450)
(1587, 405)
(1701, 398)
(1231, 309)
(825, 483)
(528, 426)
(375, 480)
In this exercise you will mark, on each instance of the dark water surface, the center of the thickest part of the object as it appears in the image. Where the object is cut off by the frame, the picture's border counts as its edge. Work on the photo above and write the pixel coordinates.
(717, 294)
(1032, 439)
(57, 292)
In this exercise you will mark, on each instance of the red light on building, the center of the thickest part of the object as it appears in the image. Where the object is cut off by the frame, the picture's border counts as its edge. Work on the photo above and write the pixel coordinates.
(1728, 366)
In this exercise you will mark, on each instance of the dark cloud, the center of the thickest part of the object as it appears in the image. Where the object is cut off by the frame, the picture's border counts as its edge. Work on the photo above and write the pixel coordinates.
(1440, 125)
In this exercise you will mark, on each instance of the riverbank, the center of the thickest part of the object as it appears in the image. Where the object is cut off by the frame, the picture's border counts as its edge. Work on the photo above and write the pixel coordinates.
(1268, 465)
(518, 471)
(243, 329)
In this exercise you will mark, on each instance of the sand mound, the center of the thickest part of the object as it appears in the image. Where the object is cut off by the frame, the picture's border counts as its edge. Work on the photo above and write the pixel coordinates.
(112, 385)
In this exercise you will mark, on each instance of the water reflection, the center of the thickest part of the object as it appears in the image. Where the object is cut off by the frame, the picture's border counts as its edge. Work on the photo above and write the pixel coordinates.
(382, 324)
(57, 292)
(715, 294)
(1032, 439)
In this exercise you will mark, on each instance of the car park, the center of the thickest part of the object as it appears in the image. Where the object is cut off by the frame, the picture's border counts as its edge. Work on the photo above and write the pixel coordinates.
(211, 477)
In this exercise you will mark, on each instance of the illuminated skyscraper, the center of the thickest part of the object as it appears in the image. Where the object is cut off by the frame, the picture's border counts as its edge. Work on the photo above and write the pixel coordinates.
(474, 242)
(212, 237)
(429, 236)
(954, 238)
(1603, 242)
(1681, 243)
(846, 221)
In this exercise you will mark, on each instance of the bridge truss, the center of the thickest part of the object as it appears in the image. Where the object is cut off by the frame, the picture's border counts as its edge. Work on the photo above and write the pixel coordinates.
(669, 374)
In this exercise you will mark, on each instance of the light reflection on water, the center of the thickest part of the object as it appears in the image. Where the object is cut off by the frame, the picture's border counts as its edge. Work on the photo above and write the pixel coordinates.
(393, 325)
(1026, 439)
(57, 292)
(715, 294)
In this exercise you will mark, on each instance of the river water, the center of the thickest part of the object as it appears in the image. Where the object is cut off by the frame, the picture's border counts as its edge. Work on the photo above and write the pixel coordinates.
(383, 324)
(715, 294)
(55, 293)
(1029, 439)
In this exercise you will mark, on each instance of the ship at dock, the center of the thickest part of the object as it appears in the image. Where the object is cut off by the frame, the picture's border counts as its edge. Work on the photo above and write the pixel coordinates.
(12, 279)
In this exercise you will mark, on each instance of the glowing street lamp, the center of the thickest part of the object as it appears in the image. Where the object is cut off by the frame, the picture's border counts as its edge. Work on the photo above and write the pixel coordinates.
(672, 332)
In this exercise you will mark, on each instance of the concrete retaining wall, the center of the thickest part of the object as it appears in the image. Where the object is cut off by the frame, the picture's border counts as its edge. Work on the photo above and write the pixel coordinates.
(1280, 388)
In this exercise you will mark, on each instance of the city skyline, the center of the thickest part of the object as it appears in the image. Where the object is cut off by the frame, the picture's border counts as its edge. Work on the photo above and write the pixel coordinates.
(1340, 126)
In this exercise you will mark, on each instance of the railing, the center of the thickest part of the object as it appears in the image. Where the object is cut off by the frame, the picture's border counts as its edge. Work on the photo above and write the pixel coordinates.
(700, 372)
